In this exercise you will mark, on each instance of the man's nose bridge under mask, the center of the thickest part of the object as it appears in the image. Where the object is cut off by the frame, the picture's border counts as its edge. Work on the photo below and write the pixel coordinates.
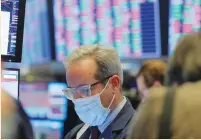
(78, 95)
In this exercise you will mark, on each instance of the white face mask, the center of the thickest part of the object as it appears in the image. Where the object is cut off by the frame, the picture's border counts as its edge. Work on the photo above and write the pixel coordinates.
(90, 109)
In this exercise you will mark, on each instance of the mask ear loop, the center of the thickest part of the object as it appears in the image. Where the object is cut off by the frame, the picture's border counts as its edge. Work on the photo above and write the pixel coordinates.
(112, 97)
(104, 88)
(111, 101)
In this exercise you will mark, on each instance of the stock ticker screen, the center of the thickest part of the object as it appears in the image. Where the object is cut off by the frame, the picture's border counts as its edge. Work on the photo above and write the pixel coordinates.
(184, 17)
(36, 40)
(9, 21)
(132, 27)
(43, 100)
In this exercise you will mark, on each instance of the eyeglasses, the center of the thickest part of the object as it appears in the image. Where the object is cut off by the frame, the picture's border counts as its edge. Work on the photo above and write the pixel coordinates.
(83, 91)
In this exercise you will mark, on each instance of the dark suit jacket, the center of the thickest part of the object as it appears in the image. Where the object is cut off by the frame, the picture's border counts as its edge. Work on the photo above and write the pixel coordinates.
(116, 130)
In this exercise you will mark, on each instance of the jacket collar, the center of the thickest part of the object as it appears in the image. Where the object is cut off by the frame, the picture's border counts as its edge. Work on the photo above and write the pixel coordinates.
(124, 116)
(120, 121)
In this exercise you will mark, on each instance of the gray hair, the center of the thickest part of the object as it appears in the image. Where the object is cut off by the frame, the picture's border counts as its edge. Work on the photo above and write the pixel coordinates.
(107, 60)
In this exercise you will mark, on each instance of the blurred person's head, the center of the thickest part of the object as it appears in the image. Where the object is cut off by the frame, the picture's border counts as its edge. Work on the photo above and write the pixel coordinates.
(94, 73)
(151, 73)
(185, 64)
(15, 123)
(8, 117)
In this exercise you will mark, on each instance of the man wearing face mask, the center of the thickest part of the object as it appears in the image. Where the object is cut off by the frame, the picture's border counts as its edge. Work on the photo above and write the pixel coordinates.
(94, 78)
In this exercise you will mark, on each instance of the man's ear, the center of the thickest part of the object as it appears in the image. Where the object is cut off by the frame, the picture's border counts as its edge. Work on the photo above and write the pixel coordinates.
(115, 81)
(157, 84)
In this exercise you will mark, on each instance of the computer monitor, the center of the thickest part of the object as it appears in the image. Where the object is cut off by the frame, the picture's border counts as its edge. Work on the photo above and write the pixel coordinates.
(47, 129)
(12, 24)
(36, 40)
(184, 17)
(41, 101)
(132, 27)
(10, 81)
(58, 108)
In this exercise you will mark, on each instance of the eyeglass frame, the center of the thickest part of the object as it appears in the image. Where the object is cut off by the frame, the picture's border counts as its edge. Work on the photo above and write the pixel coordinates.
(89, 85)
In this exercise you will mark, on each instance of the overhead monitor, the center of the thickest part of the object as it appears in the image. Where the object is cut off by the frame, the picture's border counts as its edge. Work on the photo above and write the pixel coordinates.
(10, 81)
(184, 17)
(47, 129)
(43, 101)
(36, 40)
(12, 25)
(132, 27)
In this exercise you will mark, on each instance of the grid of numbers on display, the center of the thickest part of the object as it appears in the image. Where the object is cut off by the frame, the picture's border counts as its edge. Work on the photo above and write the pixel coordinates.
(131, 27)
(185, 17)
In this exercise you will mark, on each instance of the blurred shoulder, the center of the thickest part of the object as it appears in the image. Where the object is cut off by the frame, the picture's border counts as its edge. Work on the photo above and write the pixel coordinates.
(188, 97)
(185, 90)
(145, 122)
(156, 93)
(190, 89)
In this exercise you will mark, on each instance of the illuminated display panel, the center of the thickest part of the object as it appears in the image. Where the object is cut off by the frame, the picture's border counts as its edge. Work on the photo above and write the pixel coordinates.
(43, 100)
(184, 17)
(36, 41)
(10, 81)
(132, 27)
(9, 22)
(12, 25)
(47, 129)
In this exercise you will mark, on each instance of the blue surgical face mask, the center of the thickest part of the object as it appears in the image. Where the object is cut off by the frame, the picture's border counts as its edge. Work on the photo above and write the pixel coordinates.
(90, 109)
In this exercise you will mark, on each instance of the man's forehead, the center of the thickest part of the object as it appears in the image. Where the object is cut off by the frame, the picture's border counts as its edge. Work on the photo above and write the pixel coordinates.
(87, 65)
(81, 72)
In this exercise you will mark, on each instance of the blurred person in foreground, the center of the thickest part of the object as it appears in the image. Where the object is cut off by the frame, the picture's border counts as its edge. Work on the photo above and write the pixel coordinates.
(151, 74)
(175, 111)
(94, 78)
(15, 123)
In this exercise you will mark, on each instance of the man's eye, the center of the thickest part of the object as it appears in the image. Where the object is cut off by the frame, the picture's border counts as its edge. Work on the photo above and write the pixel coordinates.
(81, 90)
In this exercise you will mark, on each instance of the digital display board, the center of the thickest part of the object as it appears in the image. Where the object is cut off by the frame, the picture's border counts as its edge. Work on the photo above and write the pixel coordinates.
(132, 27)
(184, 17)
